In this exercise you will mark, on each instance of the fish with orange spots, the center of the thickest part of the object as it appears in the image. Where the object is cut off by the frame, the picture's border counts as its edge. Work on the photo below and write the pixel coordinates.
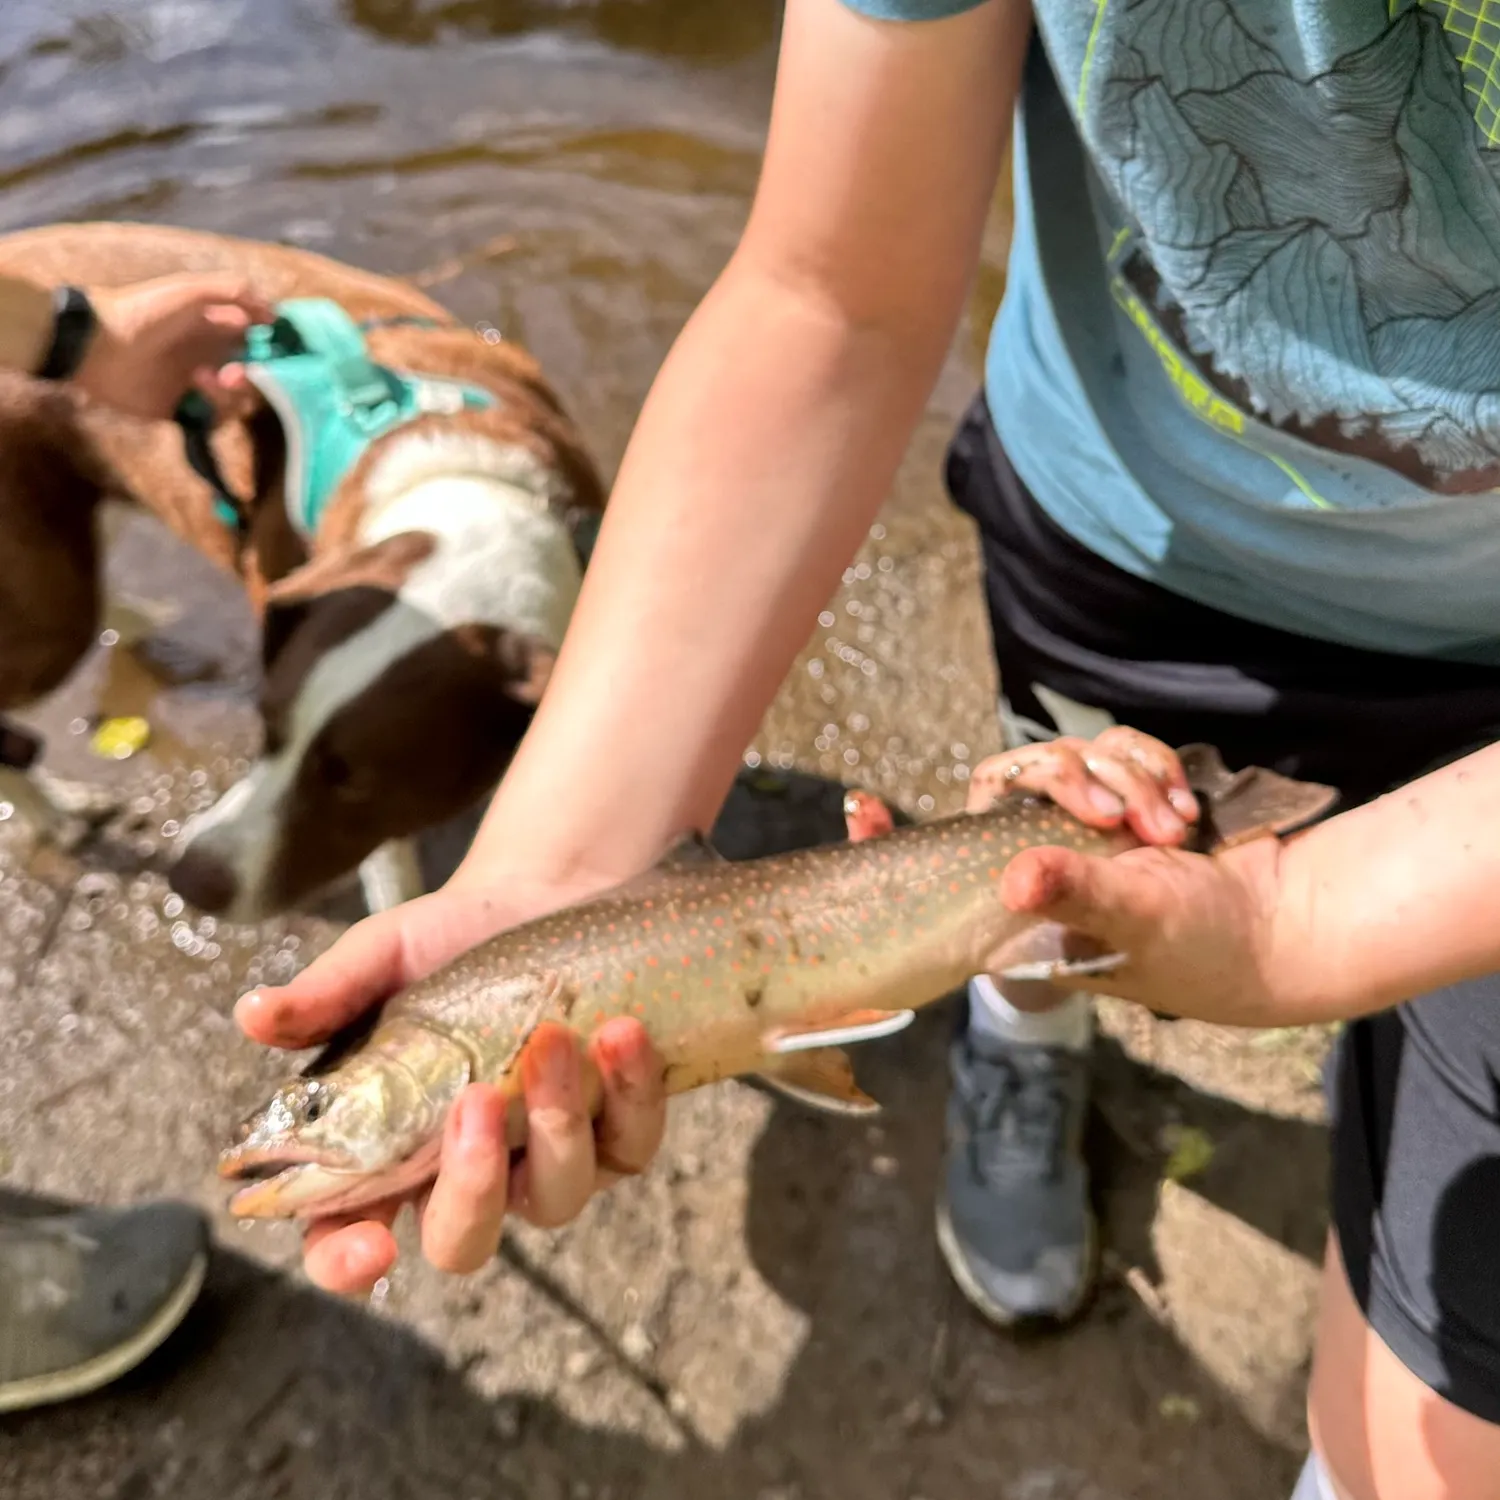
(764, 967)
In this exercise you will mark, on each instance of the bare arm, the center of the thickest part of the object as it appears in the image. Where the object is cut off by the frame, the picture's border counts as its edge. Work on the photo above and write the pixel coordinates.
(770, 437)
(1393, 899)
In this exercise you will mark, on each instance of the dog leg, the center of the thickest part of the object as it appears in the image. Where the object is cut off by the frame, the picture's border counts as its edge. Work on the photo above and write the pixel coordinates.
(391, 875)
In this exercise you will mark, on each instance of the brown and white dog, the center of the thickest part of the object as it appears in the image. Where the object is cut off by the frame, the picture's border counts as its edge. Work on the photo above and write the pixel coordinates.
(405, 645)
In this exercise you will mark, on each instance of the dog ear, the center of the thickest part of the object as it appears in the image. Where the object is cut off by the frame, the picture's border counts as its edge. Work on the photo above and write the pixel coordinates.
(380, 568)
(525, 662)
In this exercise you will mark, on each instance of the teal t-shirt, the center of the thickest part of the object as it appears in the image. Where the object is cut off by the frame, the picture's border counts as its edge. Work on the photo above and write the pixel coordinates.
(1302, 197)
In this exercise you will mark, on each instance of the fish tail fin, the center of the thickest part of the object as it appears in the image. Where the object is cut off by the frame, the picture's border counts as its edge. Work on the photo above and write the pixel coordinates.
(1238, 806)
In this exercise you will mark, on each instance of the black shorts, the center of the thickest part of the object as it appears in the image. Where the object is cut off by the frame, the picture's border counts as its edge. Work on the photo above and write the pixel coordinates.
(1415, 1092)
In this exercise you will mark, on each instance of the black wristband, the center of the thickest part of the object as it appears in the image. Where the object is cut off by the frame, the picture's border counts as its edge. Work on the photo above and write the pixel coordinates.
(74, 324)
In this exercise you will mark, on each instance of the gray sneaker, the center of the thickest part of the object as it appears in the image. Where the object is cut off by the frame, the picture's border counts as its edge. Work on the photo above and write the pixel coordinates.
(1013, 1216)
(85, 1297)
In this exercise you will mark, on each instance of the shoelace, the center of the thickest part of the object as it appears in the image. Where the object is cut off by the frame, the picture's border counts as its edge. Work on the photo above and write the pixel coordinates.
(1017, 1110)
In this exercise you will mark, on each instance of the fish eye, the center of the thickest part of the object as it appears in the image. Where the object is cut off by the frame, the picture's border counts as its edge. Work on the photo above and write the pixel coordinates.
(316, 1108)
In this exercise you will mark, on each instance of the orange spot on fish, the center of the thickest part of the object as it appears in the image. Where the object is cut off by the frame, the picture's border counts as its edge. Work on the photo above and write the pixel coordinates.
(954, 886)
(630, 976)
(986, 837)
(994, 873)
(686, 961)
(708, 953)
(718, 921)
(652, 961)
(962, 852)
(647, 924)
(677, 994)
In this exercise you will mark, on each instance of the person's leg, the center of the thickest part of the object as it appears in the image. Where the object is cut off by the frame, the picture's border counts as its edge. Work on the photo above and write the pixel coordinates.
(1380, 1431)
(1405, 1395)
(86, 1296)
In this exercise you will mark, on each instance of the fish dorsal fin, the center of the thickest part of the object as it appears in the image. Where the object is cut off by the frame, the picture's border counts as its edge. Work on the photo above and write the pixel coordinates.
(822, 1079)
(1238, 806)
(840, 1031)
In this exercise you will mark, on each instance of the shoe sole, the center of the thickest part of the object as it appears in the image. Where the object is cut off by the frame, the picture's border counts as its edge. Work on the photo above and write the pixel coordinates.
(993, 1312)
(92, 1374)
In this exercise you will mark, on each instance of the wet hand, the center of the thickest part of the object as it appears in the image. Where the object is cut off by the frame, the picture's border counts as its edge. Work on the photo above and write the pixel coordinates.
(568, 1157)
(1120, 777)
(157, 340)
(1200, 933)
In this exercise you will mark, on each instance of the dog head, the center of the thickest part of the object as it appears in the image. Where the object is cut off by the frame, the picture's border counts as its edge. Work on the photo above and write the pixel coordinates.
(399, 676)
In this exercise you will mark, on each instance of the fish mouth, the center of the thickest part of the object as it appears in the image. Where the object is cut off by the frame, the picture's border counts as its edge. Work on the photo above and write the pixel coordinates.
(292, 1182)
(283, 1180)
(247, 1162)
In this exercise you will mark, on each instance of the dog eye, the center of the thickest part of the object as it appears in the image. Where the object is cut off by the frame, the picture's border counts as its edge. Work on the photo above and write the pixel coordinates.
(346, 781)
(336, 770)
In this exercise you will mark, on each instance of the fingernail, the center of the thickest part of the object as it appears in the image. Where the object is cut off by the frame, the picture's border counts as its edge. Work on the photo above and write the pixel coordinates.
(550, 1061)
(1169, 825)
(1105, 802)
(250, 1001)
(1184, 801)
(473, 1121)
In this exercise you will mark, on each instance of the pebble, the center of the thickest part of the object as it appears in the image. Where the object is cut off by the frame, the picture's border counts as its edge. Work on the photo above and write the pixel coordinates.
(636, 1343)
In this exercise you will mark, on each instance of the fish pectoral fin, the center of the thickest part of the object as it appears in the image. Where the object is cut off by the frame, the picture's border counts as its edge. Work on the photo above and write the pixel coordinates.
(1048, 953)
(1238, 806)
(855, 1026)
(1050, 970)
(822, 1079)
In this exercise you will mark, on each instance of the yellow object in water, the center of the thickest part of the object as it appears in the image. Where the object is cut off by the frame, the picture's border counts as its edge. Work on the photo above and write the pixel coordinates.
(119, 739)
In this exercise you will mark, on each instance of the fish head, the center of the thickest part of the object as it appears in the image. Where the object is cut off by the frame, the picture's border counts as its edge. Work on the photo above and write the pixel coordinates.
(336, 1138)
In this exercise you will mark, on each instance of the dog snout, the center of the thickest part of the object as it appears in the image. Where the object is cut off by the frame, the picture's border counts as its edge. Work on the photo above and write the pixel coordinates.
(204, 879)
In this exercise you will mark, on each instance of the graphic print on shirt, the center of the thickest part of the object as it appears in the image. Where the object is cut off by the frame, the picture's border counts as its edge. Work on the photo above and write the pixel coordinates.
(1316, 183)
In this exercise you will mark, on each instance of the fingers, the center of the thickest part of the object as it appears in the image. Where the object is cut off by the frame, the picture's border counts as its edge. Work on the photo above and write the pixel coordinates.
(1055, 769)
(462, 1221)
(228, 300)
(1150, 815)
(364, 966)
(1122, 776)
(1157, 759)
(634, 1114)
(232, 394)
(866, 816)
(348, 1256)
(1112, 900)
(558, 1176)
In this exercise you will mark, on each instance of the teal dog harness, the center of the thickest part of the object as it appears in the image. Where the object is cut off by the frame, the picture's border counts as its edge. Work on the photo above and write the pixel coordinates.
(332, 399)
